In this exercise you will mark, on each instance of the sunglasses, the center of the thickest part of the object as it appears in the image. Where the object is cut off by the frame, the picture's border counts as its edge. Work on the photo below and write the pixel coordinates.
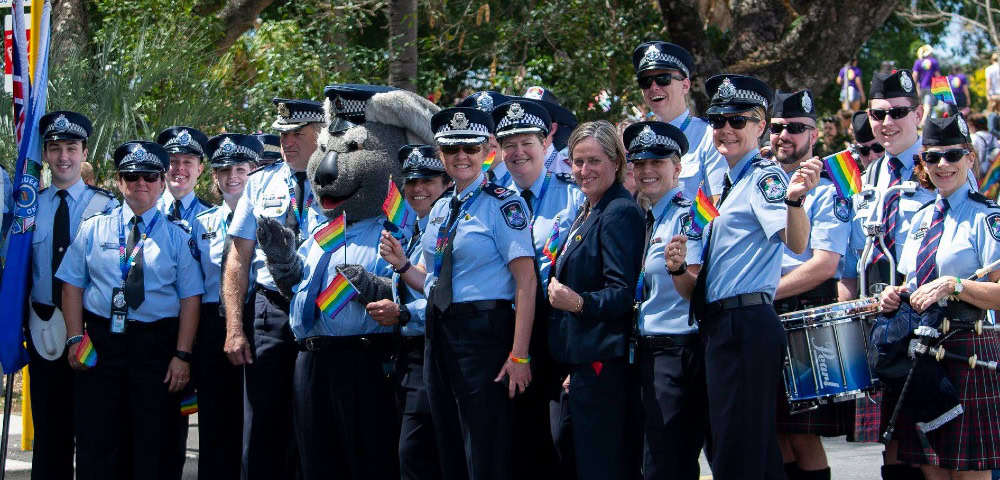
(953, 155)
(794, 128)
(829, 119)
(468, 149)
(895, 112)
(662, 80)
(738, 122)
(864, 150)
(148, 177)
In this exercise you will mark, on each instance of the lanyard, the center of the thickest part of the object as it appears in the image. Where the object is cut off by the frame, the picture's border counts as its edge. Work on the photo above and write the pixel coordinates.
(127, 265)
(504, 180)
(537, 201)
(445, 233)
(183, 213)
(299, 216)
(685, 123)
(640, 294)
(552, 158)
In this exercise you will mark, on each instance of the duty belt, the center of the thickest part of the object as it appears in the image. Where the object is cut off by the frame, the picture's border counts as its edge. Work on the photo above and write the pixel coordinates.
(737, 301)
(378, 341)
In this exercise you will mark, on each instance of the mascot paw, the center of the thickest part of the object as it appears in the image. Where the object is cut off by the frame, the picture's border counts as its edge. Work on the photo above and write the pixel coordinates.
(371, 287)
(277, 242)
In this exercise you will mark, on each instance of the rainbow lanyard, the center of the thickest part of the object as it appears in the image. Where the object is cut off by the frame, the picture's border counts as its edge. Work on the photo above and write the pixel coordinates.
(127, 265)
(305, 208)
(552, 158)
(444, 233)
(640, 295)
(537, 202)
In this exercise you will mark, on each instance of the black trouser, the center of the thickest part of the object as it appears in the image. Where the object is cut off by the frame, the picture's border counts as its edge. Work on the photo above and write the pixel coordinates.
(674, 399)
(345, 415)
(52, 414)
(744, 348)
(268, 440)
(220, 399)
(124, 412)
(534, 448)
(472, 413)
(418, 452)
(597, 402)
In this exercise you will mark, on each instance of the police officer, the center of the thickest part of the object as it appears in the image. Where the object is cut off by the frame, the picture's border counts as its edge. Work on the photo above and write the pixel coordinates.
(744, 340)
(866, 150)
(279, 191)
(186, 147)
(553, 201)
(486, 100)
(132, 284)
(272, 148)
(809, 280)
(668, 349)
(478, 253)
(663, 71)
(219, 383)
(62, 207)
(563, 123)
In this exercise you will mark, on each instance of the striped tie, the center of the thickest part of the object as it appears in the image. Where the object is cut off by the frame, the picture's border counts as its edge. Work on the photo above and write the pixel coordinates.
(926, 263)
(891, 209)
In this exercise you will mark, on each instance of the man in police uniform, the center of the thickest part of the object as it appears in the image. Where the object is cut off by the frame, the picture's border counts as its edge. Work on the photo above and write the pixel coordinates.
(663, 71)
(866, 150)
(279, 191)
(62, 207)
(563, 123)
(485, 101)
(272, 148)
(186, 147)
(808, 280)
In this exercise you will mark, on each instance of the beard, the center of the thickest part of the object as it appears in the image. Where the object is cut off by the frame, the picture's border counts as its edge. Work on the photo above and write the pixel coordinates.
(797, 154)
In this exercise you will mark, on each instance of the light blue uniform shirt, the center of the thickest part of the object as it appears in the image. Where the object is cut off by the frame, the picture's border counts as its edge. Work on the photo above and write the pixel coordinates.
(829, 218)
(191, 206)
(559, 205)
(664, 311)
(746, 248)
(209, 233)
(970, 239)
(556, 161)
(267, 194)
(78, 200)
(492, 233)
(414, 301)
(170, 271)
(703, 165)
(501, 174)
(363, 239)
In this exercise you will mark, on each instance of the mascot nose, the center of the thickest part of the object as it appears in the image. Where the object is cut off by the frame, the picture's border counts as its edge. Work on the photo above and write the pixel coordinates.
(326, 173)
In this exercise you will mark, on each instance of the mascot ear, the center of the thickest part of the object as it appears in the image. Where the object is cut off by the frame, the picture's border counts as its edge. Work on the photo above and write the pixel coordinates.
(405, 110)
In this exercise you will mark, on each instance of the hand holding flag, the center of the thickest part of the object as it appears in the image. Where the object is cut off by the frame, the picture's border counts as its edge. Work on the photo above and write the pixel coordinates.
(941, 89)
(702, 212)
(844, 173)
(396, 209)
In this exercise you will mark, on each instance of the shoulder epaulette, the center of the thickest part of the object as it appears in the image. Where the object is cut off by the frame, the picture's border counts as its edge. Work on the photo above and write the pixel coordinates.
(42, 190)
(682, 202)
(183, 225)
(497, 191)
(204, 203)
(763, 162)
(264, 167)
(983, 199)
(101, 191)
(206, 212)
(566, 177)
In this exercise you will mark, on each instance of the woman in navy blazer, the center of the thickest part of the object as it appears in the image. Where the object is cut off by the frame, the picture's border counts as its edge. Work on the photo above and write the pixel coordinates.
(592, 292)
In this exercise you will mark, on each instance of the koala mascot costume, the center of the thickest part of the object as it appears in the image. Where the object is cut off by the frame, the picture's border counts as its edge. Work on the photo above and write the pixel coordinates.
(345, 418)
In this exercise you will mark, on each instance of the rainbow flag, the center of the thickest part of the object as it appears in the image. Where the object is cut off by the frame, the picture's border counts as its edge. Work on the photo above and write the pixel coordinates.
(844, 172)
(489, 160)
(990, 184)
(941, 89)
(702, 212)
(552, 243)
(395, 207)
(189, 405)
(332, 300)
(333, 235)
(85, 352)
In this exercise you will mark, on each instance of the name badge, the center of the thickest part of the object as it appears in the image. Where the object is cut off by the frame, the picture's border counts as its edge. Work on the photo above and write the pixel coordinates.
(119, 311)
(109, 246)
(208, 236)
(273, 204)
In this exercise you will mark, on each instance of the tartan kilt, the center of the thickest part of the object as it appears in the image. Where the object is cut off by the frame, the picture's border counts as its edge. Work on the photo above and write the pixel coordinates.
(829, 420)
(971, 441)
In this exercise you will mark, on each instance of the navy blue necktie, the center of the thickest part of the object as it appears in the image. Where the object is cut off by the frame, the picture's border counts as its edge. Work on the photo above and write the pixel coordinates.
(891, 209)
(60, 242)
(315, 285)
(926, 257)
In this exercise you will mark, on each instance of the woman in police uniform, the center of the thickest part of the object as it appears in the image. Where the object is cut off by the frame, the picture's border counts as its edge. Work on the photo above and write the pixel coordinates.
(744, 340)
(478, 253)
(219, 383)
(132, 284)
(950, 238)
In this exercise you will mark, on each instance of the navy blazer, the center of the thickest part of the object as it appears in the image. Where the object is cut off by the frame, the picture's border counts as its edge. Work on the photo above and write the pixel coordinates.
(603, 267)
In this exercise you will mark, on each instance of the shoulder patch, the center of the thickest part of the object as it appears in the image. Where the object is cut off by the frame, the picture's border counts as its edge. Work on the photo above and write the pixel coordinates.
(183, 224)
(772, 186)
(983, 199)
(681, 201)
(101, 191)
(760, 161)
(497, 191)
(514, 215)
(566, 177)
(686, 227)
(265, 167)
(193, 246)
(993, 224)
(842, 208)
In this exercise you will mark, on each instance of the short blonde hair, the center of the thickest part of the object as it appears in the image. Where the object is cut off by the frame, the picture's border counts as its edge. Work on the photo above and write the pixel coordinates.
(607, 137)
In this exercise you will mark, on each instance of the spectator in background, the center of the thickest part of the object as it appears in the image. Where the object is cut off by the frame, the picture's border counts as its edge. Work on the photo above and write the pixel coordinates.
(832, 140)
(984, 142)
(887, 67)
(851, 91)
(87, 172)
(925, 68)
(993, 93)
(960, 86)
(845, 125)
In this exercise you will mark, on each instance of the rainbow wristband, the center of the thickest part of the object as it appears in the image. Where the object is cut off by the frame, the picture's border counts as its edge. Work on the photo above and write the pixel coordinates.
(514, 359)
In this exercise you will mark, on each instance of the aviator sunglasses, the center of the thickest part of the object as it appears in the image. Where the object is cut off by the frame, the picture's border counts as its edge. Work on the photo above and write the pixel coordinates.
(864, 150)
(148, 177)
(662, 80)
(895, 112)
(738, 122)
(468, 149)
(952, 155)
(794, 128)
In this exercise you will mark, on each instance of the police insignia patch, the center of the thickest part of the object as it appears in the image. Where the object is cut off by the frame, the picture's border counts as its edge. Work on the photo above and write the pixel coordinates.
(807, 104)
(459, 121)
(993, 223)
(772, 187)
(283, 110)
(514, 215)
(515, 112)
(726, 90)
(842, 208)
(485, 102)
(194, 249)
(686, 227)
(905, 82)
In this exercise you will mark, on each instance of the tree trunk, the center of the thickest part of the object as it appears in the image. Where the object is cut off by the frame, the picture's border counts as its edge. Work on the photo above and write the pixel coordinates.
(403, 44)
(69, 29)
(789, 44)
(237, 17)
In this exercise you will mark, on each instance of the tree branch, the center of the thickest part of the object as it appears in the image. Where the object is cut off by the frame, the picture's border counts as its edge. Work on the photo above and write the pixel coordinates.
(237, 17)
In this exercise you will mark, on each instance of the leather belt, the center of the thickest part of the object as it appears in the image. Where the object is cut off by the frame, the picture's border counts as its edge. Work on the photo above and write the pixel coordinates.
(378, 341)
(737, 301)
(92, 319)
(462, 308)
(651, 342)
(274, 297)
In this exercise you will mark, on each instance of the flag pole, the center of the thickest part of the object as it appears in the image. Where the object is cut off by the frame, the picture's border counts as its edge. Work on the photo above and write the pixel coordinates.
(8, 398)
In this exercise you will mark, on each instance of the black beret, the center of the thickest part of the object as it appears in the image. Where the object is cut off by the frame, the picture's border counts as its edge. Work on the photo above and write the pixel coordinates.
(946, 131)
(893, 85)
(862, 127)
(793, 105)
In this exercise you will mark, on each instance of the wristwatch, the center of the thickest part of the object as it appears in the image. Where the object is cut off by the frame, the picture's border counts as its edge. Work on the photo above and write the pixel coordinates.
(183, 356)
(681, 270)
(958, 287)
(404, 315)
(795, 203)
(403, 269)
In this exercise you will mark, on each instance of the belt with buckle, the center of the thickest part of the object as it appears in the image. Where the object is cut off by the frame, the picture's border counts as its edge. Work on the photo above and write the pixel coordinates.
(274, 297)
(462, 308)
(651, 342)
(379, 341)
(737, 301)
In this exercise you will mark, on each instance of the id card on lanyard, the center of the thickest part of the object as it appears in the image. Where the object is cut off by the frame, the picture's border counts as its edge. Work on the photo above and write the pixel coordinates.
(119, 307)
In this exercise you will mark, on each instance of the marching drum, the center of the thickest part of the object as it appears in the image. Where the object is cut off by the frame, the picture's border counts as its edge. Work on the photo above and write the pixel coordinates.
(827, 354)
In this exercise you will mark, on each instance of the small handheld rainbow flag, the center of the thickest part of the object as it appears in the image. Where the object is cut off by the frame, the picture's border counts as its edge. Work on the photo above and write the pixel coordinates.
(941, 89)
(489, 160)
(844, 172)
(332, 300)
(702, 212)
(396, 208)
(552, 243)
(189, 405)
(990, 185)
(85, 352)
(333, 235)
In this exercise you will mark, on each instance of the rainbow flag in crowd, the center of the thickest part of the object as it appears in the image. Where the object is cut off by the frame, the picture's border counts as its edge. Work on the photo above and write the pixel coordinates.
(552, 243)
(85, 352)
(396, 208)
(489, 160)
(332, 300)
(990, 184)
(333, 235)
(702, 212)
(189, 405)
(941, 89)
(844, 172)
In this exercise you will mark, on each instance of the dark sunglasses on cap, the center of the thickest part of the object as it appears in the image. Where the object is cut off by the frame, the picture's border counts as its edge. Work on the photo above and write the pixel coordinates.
(738, 122)
(794, 128)
(895, 112)
(148, 177)
(952, 155)
(662, 80)
(864, 150)
(468, 149)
